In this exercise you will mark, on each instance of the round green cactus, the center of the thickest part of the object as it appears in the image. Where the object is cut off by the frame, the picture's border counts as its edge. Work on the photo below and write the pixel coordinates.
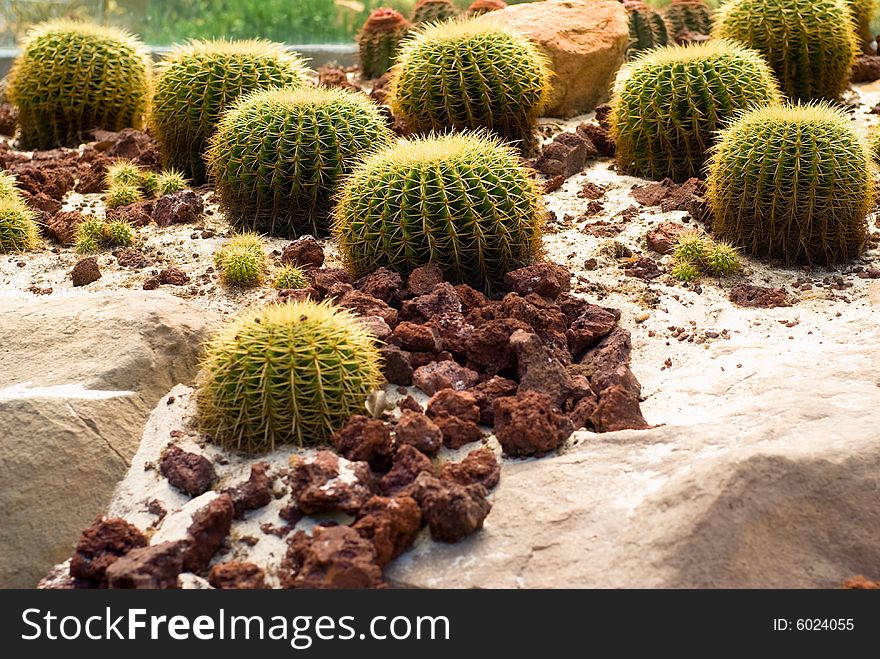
(863, 13)
(810, 44)
(667, 113)
(278, 155)
(9, 187)
(722, 259)
(379, 40)
(122, 194)
(647, 29)
(290, 373)
(685, 271)
(124, 172)
(198, 81)
(89, 235)
(688, 15)
(118, 234)
(242, 261)
(432, 11)
(290, 276)
(461, 201)
(170, 181)
(72, 77)
(470, 73)
(19, 231)
(792, 182)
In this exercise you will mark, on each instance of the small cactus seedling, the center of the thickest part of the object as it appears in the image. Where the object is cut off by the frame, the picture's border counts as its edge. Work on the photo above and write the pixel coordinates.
(124, 172)
(469, 74)
(432, 11)
(691, 247)
(480, 7)
(289, 374)
(379, 40)
(242, 261)
(647, 29)
(278, 155)
(722, 259)
(461, 201)
(118, 234)
(197, 82)
(170, 181)
(89, 235)
(810, 44)
(688, 16)
(685, 271)
(792, 182)
(291, 276)
(122, 195)
(73, 77)
(668, 111)
(19, 231)
(149, 182)
(9, 187)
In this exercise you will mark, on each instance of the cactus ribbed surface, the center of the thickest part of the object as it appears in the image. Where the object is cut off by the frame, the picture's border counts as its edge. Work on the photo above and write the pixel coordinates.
(73, 77)
(646, 27)
(461, 201)
(688, 15)
(242, 261)
(379, 40)
(278, 155)
(289, 373)
(198, 81)
(863, 13)
(810, 44)
(431, 11)
(471, 73)
(668, 112)
(792, 182)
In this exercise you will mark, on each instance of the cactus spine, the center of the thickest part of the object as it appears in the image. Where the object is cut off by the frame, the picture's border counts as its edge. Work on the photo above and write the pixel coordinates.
(242, 261)
(19, 231)
(379, 40)
(646, 27)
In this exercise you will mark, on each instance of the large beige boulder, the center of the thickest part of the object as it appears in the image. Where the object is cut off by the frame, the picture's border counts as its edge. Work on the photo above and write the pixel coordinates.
(586, 41)
(80, 376)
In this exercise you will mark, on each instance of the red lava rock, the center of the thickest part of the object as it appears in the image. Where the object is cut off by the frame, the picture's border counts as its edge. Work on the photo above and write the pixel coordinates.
(545, 319)
(100, 545)
(539, 370)
(328, 483)
(866, 68)
(590, 190)
(860, 582)
(529, 423)
(397, 365)
(93, 175)
(137, 214)
(488, 346)
(305, 252)
(444, 375)
(613, 349)
(452, 511)
(618, 409)
(418, 430)
(683, 197)
(335, 76)
(207, 532)
(188, 472)
(408, 463)
(129, 257)
(148, 568)
(870, 273)
(253, 493)
(581, 415)
(566, 155)
(416, 338)
(643, 267)
(43, 202)
(61, 227)
(616, 376)
(600, 137)
(664, 237)
(546, 279)
(367, 305)
(410, 403)
(182, 207)
(748, 295)
(380, 89)
(173, 277)
(454, 331)
(456, 414)
(130, 144)
(651, 194)
(85, 271)
(478, 467)
(384, 285)
(440, 301)
(334, 557)
(422, 280)
(591, 326)
(457, 432)
(151, 283)
(391, 524)
(237, 575)
(8, 119)
(47, 178)
(363, 439)
(323, 279)
(486, 392)
(375, 325)
(553, 184)
(470, 298)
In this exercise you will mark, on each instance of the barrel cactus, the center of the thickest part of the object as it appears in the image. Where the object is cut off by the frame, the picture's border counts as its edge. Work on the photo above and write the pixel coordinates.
(198, 81)
(431, 11)
(688, 16)
(646, 27)
(289, 373)
(810, 44)
(379, 40)
(73, 77)
(278, 155)
(291, 276)
(242, 260)
(479, 7)
(461, 201)
(792, 182)
(667, 114)
(19, 231)
(863, 13)
(471, 73)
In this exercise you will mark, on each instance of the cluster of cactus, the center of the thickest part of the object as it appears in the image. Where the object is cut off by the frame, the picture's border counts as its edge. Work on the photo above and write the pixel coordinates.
(863, 13)
(646, 27)
(696, 253)
(290, 373)
(127, 183)
(480, 7)
(278, 155)
(19, 231)
(93, 234)
(73, 77)
(379, 40)
(471, 73)
(460, 200)
(810, 44)
(242, 260)
(666, 115)
(291, 276)
(432, 11)
(688, 16)
(197, 82)
(792, 182)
